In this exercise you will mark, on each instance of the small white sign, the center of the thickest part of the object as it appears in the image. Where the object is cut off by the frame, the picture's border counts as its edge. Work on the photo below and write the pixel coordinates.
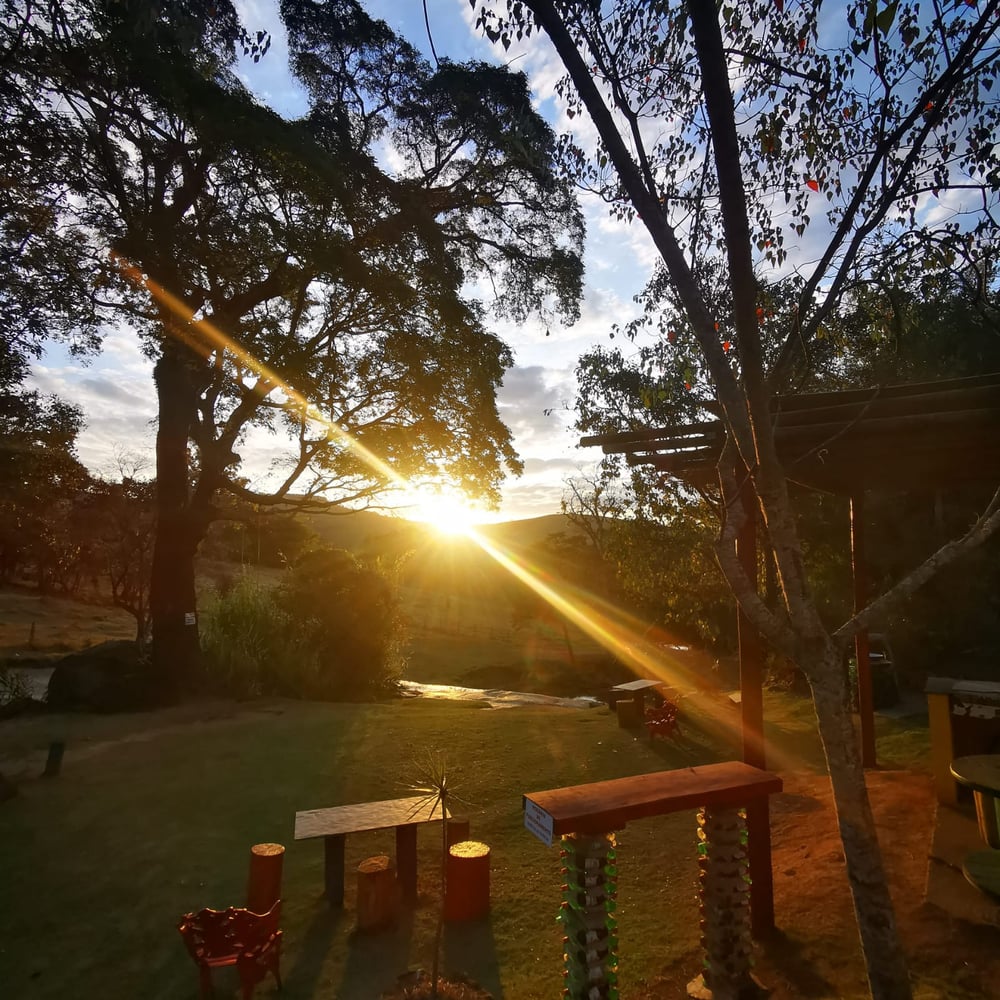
(190, 618)
(538, 822)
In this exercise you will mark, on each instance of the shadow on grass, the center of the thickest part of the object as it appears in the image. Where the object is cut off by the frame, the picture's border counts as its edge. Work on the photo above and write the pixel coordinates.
(376, 959)
(784, 955)
(301, 979)
(470, 950)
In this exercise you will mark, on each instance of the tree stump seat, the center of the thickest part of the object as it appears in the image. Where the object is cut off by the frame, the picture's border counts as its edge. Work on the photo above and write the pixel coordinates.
(378, 893)
(264, 876)
(467, 881)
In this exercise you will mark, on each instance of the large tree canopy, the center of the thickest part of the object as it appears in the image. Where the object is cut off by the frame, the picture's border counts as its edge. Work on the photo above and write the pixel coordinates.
(280, 273)
(786, 159)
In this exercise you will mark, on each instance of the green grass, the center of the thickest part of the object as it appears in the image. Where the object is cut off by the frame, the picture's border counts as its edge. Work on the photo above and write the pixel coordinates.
(154, 815)
(98, 865)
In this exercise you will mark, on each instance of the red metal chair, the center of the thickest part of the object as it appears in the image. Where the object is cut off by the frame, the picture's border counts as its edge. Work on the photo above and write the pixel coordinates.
(237, 936)
(662, 720)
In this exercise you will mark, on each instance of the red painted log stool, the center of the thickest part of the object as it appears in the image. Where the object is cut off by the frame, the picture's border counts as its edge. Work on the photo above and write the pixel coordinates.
(264, 878)
(467, 881)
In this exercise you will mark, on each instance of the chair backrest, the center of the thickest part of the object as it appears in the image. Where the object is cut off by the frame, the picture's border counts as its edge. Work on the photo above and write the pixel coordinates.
(220, 933)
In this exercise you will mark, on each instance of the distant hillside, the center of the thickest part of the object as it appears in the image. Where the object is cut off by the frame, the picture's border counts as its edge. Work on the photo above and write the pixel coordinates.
(527, 532)
(368, 533)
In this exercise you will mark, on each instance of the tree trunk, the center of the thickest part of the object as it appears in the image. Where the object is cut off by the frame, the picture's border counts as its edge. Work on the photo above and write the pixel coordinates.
(885, 960)
(175, 648)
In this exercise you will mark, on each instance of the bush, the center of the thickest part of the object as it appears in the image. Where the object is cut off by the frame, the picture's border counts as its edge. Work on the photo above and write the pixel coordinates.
(331, 630)
(249, 643)
(349, 614)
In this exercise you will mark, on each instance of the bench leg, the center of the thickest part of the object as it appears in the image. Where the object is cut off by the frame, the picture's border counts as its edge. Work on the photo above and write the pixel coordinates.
(406, 860)
(333, 856)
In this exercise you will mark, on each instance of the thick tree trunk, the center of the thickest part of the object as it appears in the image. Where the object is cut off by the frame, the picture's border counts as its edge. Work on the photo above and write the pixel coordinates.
(175, 648)
(885, 960)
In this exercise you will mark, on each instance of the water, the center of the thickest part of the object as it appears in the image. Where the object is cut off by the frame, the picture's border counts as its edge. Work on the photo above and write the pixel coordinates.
(496, 697)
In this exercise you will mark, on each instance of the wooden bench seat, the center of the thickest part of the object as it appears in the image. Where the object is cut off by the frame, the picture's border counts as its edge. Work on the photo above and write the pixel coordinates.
(602, 806)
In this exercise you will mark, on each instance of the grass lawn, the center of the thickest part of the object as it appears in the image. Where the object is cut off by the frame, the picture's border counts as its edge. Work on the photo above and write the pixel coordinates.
(151, 818)
(154, 815)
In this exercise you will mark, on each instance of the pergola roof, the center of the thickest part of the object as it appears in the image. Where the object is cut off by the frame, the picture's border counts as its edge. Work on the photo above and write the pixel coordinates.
(903, 437)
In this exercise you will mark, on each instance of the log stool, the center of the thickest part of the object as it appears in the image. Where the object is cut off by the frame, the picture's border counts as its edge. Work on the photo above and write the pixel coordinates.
(467, 881)
(264, 879)
(378, 893)
(458, 829)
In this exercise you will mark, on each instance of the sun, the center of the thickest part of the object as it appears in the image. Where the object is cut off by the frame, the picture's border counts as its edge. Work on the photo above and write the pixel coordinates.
(450, 515)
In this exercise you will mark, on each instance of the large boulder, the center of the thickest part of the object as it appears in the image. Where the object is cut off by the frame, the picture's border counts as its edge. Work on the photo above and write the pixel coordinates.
(109, 677)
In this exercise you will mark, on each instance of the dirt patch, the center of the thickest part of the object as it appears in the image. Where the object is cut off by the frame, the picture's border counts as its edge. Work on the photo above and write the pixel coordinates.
(816, 951)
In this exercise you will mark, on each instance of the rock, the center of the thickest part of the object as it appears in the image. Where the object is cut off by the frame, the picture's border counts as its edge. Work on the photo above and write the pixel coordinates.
(109, 677)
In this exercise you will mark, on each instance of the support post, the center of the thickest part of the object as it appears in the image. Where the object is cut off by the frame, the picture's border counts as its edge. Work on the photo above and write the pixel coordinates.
(587, 916)
(752, 718)
(333, 860)
(859, 565)
(54, 760)
(406, 860)
(725, 908)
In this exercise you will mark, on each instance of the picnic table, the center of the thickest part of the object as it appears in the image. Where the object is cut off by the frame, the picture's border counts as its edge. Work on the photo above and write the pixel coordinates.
(981, 773)
(632, 718)
(335, 823)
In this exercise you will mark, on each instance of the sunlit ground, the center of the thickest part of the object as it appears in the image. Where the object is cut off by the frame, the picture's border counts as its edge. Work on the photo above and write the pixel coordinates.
(615, 629)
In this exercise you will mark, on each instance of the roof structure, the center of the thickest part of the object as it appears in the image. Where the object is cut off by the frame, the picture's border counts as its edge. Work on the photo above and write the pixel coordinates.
(913, 436)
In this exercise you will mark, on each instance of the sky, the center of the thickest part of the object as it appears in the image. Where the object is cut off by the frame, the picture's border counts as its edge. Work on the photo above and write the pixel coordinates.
(116, 391)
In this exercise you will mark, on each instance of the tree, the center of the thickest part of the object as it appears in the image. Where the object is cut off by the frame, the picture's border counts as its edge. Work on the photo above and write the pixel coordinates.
(282, 278)
(116, 524)
(39, 477)
(723, 130)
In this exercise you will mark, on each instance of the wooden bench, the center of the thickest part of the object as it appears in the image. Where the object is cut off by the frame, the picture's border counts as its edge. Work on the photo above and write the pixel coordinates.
(598, 809)
(335, 823)
(602, 806)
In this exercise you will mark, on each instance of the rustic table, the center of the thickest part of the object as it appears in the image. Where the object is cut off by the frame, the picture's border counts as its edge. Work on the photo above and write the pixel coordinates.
(335, 823)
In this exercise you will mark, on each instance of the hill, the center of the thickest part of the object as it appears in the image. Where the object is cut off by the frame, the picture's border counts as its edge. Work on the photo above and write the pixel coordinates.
(369, 533)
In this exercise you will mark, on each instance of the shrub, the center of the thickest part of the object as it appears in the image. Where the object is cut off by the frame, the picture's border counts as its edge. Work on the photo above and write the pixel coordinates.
(331, 629)
(250, 645)
(349, 615)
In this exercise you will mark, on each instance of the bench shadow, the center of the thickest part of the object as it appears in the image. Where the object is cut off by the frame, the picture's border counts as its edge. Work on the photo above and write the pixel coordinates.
(784, 955)
(302, 978)
(470, 951)
(376, 959)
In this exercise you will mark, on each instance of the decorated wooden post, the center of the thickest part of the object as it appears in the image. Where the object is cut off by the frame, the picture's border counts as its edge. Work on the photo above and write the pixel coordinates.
(725, 907)
(587, 916)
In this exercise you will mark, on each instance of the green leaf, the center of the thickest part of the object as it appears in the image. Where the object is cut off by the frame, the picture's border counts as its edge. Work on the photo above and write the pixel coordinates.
(885, 18)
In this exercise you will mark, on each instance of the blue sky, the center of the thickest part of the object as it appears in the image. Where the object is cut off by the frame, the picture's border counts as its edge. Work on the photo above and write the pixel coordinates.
(536, 400)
